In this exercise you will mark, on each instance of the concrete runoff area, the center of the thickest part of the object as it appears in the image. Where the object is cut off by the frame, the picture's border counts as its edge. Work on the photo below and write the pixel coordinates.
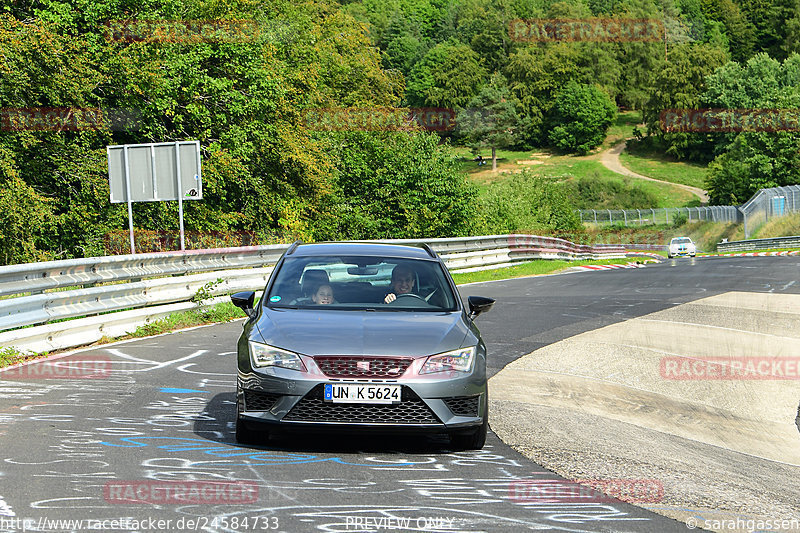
(639, 400)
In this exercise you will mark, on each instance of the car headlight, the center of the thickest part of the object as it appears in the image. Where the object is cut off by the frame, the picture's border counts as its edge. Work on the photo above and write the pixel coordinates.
(459, 360)
(265, 355)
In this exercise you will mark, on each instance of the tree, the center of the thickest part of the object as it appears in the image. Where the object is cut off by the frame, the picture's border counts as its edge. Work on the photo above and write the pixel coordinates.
(402, 53)
(638, 61)
(755, 161)
(490, 119)
(448, 75)
(580, 117)
(679, 83)
(395, 185)
(751, 160)
(739, 30)
(537, 73)
(243, 97)
(24, 215)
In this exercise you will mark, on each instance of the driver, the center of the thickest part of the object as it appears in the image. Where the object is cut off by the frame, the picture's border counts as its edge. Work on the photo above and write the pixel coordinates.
(403, 280)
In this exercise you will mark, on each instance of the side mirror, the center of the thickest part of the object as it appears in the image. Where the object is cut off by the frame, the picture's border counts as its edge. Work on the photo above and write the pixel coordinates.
(479, 304)
(244, 300)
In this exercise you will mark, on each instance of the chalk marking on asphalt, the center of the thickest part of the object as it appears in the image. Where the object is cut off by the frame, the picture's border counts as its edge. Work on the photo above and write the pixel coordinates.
(156, 364)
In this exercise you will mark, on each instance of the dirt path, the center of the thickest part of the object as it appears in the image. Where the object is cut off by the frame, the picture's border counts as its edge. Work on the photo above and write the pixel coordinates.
(610, 160)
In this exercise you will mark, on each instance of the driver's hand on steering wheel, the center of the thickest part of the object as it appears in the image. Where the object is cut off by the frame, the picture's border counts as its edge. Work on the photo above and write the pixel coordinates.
(390, 298)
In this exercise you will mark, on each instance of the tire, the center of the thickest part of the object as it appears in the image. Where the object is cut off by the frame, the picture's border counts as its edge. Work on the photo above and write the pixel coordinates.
(474, 440)
(245, 434)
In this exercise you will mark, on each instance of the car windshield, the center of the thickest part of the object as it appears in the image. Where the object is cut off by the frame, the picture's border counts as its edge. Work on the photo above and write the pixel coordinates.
(681, 240)
(361, 282)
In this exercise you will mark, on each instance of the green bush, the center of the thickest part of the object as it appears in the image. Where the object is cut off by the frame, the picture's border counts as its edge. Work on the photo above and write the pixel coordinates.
(395, 185)
(679, 219)
(580, 118)
(592, 192)
(528, 202)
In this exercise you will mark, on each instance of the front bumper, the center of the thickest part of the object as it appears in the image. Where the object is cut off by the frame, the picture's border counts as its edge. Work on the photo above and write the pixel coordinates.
(427, 403)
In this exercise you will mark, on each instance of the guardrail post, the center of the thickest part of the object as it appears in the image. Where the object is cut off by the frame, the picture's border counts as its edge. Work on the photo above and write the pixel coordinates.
(625, 216)
(595, 216)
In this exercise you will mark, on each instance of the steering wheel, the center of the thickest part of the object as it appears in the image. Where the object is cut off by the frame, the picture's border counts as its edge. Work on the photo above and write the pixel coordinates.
(409, 295)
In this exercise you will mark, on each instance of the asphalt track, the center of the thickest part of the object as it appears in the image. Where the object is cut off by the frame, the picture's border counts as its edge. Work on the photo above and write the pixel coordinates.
(162, 409)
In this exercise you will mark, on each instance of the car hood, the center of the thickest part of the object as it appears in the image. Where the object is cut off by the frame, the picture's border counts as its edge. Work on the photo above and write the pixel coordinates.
(363, 332)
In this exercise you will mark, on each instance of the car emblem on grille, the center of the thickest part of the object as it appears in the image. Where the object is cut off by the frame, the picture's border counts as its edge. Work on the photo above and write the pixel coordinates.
(363, 365)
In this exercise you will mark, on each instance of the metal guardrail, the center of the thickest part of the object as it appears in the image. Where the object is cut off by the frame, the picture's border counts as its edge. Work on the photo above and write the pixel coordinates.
(118, 294)
(759, 244)
(38, 277)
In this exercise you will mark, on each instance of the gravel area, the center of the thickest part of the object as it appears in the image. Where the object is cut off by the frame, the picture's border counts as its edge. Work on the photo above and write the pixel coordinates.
(592, 407)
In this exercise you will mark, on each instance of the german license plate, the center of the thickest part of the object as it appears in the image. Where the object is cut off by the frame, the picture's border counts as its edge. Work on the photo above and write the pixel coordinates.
(362, 393)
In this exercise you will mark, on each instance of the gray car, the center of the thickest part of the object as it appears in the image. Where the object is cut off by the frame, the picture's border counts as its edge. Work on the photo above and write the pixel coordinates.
(362, 337)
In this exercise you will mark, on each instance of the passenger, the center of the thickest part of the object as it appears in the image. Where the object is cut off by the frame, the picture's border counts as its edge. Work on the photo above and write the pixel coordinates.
(323, 295)
(403, 280)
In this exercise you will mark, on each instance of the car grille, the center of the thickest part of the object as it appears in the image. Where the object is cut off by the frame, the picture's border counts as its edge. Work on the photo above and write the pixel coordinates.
(463, 405)
(410, 410)
(363, 367)
(256, 400)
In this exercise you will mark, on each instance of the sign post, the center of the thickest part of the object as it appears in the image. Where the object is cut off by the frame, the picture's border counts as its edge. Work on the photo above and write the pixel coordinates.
(155, 172)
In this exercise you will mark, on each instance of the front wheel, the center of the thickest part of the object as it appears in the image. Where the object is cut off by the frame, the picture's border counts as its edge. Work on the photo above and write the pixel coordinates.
(473, 440)
(245, 434)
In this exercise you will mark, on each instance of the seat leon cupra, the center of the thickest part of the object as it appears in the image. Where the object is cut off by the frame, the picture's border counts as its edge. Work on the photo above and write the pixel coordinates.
(362, 337)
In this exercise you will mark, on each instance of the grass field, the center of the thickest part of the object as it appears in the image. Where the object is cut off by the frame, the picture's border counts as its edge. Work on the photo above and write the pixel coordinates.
(532, 268)
(663, 168)
(622, 128)
(548, 163)
(575, 167)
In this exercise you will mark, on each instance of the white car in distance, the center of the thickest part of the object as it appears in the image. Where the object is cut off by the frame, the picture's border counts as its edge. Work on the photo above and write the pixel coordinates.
(681, 246)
